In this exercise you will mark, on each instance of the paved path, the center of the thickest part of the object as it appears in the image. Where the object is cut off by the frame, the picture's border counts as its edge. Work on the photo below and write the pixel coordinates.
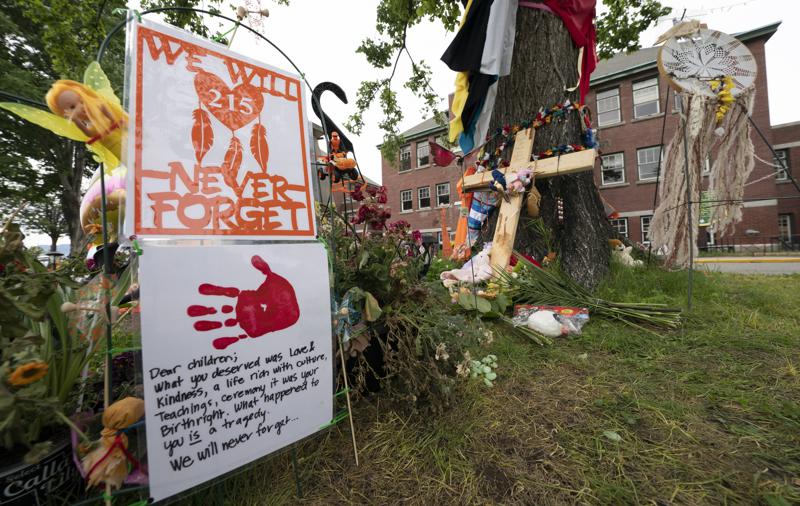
(750, 265)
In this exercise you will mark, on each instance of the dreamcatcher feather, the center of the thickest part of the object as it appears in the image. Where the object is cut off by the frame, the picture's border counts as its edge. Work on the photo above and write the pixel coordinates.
(713, 117)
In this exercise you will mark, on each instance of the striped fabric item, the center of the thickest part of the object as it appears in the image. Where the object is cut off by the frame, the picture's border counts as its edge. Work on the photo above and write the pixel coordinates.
(482, 205)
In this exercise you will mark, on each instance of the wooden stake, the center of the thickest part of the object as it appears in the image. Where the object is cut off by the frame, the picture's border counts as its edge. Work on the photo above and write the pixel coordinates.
(347, 396)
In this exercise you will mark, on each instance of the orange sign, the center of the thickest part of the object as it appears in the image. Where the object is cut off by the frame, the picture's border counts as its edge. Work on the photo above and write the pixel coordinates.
(219, 144)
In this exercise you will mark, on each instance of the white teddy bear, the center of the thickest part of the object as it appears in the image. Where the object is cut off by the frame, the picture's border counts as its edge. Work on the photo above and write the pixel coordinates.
(623, 253)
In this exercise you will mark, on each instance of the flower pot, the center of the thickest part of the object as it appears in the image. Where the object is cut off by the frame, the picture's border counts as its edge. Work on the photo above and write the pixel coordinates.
(37, 484)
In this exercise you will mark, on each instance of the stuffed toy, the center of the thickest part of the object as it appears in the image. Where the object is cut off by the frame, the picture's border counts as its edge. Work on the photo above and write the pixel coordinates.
(477, 269)
(547, 324)
(623, 253)
(520, 180)
(109, 461)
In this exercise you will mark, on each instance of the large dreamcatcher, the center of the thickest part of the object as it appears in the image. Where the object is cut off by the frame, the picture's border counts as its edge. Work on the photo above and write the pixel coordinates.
(715, 75)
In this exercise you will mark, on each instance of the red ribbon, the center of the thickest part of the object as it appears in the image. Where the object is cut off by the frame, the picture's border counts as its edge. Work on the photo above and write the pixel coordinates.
(104, 134)
(117, 443)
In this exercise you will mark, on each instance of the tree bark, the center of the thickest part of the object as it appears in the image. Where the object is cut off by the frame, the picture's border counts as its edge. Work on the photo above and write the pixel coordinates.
(71, 178)
(544, 64)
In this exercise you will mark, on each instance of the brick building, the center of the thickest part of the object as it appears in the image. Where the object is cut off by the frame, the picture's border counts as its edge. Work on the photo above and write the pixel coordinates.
(627, 99)
(418, 191)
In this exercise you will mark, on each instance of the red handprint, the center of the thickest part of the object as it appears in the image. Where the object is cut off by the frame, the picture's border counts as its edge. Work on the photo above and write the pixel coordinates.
(269, 308)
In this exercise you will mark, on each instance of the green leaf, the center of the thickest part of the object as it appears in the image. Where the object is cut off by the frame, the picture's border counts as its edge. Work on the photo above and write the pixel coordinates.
(364, 259)
(484, 306)
(612, 436)
(502, 302)
(467, 301)
(372, 309)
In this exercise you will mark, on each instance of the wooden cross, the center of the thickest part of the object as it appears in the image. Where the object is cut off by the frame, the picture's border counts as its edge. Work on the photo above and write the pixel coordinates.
(506, 229)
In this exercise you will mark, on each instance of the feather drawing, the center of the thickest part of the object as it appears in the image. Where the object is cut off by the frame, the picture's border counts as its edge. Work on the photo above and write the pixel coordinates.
(202, 134)
(259, 146)
(231, 164)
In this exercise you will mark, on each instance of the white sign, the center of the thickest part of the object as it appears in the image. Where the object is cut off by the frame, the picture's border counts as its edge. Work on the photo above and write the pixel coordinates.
(236, 356)
(218, 143)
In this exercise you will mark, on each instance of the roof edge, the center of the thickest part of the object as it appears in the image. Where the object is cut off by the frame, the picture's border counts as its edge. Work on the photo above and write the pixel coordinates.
(755, 33)
(784, 125)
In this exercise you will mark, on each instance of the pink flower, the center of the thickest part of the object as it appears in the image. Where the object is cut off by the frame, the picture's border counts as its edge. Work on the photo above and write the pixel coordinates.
(416, 236)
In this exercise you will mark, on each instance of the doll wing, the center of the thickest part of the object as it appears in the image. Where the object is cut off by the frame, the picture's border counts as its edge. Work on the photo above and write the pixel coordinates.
(104, 155)
(56, 124)
(96, 79)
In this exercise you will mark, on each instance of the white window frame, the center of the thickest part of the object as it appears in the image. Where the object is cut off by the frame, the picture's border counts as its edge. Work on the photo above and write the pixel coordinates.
(439, 193)
(677, 102)
(781, 174)
(616, 224)
(642, 88)
(639, 152)
(605, 104)
(410, 201)
(405, 154)
(645, 233)
(427, 147)
(604, 167)
(420, 197)
(787, 226)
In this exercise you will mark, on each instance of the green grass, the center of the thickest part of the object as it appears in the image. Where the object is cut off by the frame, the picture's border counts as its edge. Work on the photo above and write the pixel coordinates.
(705, 415)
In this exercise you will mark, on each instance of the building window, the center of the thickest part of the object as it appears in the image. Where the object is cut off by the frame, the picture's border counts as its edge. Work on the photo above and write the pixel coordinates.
(406, 204)
(677, 102)
(645, 98)
(423, 154)
(439, 238)
(424, 197)
(405, 158)
(782, 160)
(621, 226)
(443, 194)
(645, 222)
(785, 226)
(648, 162)
(608, 107)
(612, 168)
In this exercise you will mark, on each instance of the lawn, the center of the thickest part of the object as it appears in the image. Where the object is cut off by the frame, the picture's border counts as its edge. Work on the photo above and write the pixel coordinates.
(705, 415)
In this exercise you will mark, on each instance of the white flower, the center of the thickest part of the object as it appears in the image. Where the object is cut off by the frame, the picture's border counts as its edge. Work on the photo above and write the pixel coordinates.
(441, 352)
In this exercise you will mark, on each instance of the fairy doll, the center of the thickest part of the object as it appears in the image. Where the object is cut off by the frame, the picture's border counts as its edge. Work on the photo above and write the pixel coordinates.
(88, 112)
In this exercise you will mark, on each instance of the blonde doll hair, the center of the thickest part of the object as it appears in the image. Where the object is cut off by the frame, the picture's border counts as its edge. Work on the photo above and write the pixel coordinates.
(93, 103)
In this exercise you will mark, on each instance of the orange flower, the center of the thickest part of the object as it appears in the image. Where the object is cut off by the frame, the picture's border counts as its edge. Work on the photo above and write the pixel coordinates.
(27, 374)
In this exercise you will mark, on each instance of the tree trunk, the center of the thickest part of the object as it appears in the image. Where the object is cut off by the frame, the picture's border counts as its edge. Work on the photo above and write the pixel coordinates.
(71, 178)
(544, 64)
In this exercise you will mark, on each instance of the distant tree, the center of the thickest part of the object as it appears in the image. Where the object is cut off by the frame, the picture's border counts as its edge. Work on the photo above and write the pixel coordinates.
(43, 42)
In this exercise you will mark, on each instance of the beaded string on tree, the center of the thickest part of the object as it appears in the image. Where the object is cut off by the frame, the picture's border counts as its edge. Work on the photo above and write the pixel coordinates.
(484, 201)
(544, 116)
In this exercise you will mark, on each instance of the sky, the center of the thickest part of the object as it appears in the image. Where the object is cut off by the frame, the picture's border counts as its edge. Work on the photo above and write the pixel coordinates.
(321, 37)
